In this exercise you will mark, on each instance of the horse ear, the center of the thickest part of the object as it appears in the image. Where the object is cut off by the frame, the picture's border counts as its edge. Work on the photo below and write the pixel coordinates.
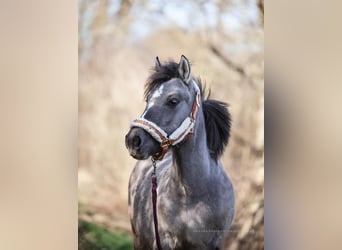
(157, 63)
(184, 69)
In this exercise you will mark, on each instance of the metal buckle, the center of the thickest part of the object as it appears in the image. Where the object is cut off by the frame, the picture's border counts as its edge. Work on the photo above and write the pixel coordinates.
(165, 143)
(154, 164)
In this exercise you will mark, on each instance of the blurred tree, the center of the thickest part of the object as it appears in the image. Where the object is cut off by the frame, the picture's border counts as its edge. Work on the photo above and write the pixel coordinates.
(101, 14)
(261, 9)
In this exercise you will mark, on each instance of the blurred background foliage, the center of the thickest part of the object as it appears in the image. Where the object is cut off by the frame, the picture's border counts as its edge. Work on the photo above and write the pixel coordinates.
(118, 41)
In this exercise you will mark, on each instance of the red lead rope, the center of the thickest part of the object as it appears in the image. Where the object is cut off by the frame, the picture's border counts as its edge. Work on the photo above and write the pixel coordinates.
(154, 204)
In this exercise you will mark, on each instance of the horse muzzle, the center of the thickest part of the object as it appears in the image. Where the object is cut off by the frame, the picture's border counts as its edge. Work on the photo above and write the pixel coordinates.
(140, 144)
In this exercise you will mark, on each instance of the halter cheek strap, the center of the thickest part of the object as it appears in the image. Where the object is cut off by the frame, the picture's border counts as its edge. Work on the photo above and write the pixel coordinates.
(182, 133)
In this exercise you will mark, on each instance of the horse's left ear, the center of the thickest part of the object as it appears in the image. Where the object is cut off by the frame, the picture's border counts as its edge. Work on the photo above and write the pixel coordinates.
(184, 69)
(157, 64)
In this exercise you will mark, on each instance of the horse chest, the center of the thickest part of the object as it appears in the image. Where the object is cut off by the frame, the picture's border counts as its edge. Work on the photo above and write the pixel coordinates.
(183, 222)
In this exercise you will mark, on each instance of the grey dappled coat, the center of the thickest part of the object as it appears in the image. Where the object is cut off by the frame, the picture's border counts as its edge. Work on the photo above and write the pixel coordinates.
(195, 196)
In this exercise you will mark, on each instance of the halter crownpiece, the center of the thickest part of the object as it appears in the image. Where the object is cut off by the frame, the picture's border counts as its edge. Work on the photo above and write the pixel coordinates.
(182, 133)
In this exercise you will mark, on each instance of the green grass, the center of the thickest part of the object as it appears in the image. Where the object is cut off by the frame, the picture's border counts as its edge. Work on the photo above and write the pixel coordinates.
(93, 237)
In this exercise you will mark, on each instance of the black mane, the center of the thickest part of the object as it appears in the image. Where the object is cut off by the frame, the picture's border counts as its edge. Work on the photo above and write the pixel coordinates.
(216, 115)
(217, 125)
(161, 74)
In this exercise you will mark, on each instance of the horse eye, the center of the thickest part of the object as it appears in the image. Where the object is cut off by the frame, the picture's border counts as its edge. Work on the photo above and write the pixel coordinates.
(173, 102)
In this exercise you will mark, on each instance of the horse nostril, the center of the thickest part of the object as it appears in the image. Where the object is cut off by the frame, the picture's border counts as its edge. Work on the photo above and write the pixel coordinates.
(136, 141)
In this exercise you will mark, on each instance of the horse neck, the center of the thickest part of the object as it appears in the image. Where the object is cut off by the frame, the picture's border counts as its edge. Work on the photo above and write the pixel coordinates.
(191, 161)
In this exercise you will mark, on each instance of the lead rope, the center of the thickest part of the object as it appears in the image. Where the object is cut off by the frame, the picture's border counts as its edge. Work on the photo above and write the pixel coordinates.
(154, 203)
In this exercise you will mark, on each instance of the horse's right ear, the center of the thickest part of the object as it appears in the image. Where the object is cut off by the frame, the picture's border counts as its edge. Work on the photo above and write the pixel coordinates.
(184, 69)
(157, 63)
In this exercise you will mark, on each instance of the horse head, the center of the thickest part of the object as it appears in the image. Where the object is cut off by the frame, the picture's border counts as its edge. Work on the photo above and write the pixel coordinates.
(172, 99)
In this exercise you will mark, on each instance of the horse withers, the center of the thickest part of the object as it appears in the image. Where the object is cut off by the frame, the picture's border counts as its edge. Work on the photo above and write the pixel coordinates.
(185, 135)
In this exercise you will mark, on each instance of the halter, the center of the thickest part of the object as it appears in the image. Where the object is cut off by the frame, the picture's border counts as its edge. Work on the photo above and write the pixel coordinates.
(182, 133)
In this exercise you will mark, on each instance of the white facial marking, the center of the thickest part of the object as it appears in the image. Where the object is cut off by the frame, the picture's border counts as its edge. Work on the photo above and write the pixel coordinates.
(158, 92)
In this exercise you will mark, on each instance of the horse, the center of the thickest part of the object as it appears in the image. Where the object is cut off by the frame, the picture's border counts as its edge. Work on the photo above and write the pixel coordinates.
(179, 138)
